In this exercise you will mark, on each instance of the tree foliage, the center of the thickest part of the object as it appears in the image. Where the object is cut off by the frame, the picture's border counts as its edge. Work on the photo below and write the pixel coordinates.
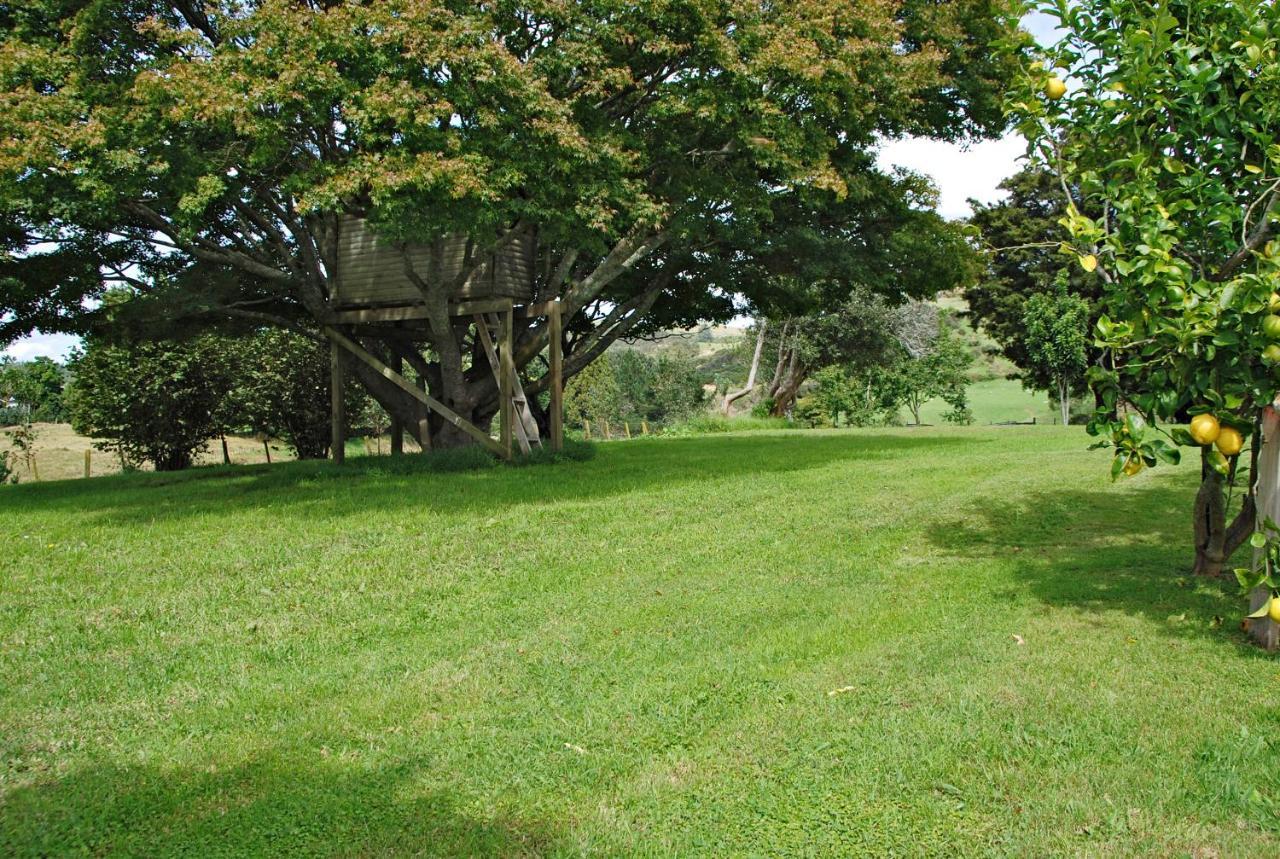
(1056, 336)
(1166, 140)
(627, 386)
(665, 156)
(31, 391)
(281, 390)
(1023, 236)
(158, 402)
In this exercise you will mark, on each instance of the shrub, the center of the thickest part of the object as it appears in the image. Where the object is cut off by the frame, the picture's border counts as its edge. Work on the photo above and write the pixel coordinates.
(157, 402)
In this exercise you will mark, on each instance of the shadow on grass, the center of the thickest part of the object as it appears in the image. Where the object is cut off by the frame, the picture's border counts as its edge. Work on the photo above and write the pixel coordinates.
(266, 807)
(388, 483)
(1125, 548)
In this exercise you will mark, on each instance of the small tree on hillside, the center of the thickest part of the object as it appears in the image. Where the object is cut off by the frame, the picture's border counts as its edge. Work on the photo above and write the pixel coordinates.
(1055, 334)
(159, 402)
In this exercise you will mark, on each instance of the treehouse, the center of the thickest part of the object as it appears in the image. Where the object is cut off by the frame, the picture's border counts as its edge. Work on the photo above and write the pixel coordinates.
(373, 274)
(382, 286)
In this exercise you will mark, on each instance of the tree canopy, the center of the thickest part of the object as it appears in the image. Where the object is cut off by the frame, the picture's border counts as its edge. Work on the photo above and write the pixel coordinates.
(667, 156)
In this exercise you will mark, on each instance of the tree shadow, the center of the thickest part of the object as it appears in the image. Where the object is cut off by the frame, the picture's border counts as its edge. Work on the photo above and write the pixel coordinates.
(1125, 548)
(376, 484)
(267, 806)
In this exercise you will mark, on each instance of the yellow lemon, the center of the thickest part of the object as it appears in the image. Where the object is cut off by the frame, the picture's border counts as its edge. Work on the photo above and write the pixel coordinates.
(1133, 466)
(1273, 609)
(1205, 429)
(1230, 442)
(1055, 88)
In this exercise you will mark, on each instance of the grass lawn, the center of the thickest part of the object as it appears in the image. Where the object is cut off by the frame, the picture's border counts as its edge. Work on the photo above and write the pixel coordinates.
(996, 401)
(793, 643)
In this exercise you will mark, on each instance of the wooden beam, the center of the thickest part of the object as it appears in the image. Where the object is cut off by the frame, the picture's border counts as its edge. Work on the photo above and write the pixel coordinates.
(337, 408)
(397, 426)
(379, 314)
(507, 369)
(413, 390)
(556, 324)
(491, 351)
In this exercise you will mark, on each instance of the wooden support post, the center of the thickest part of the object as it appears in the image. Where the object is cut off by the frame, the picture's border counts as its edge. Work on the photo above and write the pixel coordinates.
(626, 425)
(397, 426)
(88, 462)
(556, 325)
(337, 407)
(226, 453)
(644, 427)
(506, 414)
(586, 430)
(413, 390)
(604, 428)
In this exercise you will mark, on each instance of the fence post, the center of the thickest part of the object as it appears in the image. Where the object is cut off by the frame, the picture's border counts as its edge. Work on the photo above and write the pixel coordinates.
(88, 457)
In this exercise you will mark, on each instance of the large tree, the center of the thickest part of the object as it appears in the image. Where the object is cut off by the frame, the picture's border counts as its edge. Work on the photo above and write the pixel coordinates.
(664, 155)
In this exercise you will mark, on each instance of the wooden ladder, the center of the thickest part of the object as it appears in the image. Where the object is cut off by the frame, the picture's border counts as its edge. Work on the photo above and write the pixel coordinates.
(526, 428)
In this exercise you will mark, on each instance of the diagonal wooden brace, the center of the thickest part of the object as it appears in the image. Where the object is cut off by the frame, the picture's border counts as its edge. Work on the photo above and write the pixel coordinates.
(417, 393)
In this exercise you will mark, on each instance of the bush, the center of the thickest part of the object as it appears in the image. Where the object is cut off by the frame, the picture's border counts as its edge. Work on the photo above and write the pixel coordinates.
(157, 402)
(282, 391)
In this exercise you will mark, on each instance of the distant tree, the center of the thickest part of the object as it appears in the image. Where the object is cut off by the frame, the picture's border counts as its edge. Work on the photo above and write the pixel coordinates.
(859, 334)
(1056, 334)
(1023, 236)
(32, 391)
(159, 402)
(940, 372)
(594, 394)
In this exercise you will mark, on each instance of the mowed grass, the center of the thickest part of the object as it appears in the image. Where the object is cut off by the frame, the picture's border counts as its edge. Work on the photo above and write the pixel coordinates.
(922, 642)
(996, 401)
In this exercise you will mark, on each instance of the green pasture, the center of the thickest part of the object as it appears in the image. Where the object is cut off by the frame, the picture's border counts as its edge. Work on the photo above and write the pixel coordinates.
(927, 641)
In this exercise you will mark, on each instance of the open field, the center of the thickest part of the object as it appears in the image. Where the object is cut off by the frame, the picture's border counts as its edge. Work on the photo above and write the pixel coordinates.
(60, 453)
(996, 401)
(934, 641)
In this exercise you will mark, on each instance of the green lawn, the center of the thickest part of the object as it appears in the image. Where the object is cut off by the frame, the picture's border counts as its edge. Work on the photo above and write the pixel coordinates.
(785, 643)
(997, 401)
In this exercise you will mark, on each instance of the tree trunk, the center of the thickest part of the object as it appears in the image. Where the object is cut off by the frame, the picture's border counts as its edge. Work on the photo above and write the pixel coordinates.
(730, 398)
(1215, 540)
(1064, 401)
(1267, 473)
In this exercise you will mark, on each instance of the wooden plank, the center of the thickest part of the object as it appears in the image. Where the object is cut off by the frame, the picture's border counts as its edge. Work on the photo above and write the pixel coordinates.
(371, 269)
(491, 352)
(405, 313)
(556, 325)
(337, 408)
(505, 372)
(397, 426)
(413, 390)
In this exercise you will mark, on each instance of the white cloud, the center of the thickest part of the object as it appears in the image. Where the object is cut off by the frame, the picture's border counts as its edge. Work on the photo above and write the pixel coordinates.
(48, 345)
(959, 172)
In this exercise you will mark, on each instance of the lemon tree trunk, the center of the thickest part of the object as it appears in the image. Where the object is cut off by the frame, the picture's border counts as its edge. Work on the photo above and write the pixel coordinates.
(1216, 540)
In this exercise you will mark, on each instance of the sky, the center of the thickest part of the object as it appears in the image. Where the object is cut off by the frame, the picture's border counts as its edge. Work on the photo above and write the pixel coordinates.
(961, 172)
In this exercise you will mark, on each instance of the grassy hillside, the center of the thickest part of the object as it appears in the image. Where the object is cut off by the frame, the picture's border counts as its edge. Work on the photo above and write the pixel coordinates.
(834, 643)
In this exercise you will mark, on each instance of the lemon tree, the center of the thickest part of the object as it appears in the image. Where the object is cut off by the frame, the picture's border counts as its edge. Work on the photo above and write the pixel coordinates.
(1166, 129)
